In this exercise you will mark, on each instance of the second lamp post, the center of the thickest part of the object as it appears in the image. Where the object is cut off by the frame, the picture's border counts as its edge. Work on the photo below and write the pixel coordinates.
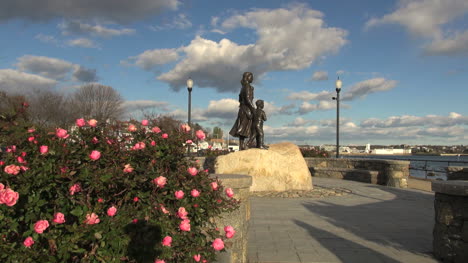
(189, 88)
(338, 84)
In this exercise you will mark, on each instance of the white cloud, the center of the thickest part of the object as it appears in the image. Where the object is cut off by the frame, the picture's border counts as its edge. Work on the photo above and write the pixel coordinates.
(424, 130)
(320, 75)
(306, 95)
(83, 74)
(429, 19)
(142, 105)
(54, 68)
(14, 81)
(300, 122)
(224, 108)
(82, 42)
(80, 28)
(411, 121)
(363, 88)
(45, 66)
(151, 58)
(221, 64)
(121, 11)
(322, 105)
(179, 22)
(47, 39)
(455, 45)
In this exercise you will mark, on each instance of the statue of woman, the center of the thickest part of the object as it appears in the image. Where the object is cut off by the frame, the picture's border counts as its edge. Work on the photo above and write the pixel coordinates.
(243, 126)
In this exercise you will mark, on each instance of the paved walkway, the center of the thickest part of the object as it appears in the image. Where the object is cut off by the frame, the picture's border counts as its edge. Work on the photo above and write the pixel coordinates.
(374, 224)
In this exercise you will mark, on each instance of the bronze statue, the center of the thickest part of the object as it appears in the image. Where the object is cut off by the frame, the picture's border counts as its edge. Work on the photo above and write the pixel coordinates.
(243, 126)
(258, 119)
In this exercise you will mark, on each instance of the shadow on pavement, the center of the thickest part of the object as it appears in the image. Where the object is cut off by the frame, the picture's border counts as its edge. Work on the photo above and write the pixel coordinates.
(391, 217)
(346, 250)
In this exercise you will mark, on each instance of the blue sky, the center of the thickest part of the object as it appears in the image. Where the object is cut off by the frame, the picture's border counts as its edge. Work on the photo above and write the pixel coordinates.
(402, 63)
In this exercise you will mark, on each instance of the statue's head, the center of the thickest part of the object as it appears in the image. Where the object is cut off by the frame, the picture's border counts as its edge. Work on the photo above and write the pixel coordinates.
(259, 104)
(247, 77)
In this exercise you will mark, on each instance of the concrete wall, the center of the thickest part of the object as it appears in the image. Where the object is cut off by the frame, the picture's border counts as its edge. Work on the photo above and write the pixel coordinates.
(457, 173)
(450, 235)
(239, 219)
(385, 172)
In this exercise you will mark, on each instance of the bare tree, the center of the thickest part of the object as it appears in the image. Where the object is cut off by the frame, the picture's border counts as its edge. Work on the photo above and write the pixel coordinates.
(98, 102)
(50, 109)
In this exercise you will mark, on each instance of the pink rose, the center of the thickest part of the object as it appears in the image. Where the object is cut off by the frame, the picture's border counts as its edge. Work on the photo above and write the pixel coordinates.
(192, 170)
(112, 211)
(163, 209)
(20, 159)
(197, 257)
(214, 185)
(229, 231)
(200, 135)
(139, 146)
(229, 192)
(2, 163)
(44, 149)
(136, 199)
(179, 194)
(132, 128)
(156, 130)
(24, 168)
(159, 261)
(153, 143)
(74, 189)
(189, 142)
(185, 128)
(40, 226)
(80, 122)
(30, 139)
(31, 130)
(8, 196)
(11, 149)
(165, 136)
(195, 193)
(92, 123)
(144, 122)
(28, 242)
(95, 155)
(61, 133)
(167, 240)
(128, 168)
(182, 213)
(160, 181)
(185, 225)
(218, 244)
(92, 219)
(59, 218)
(12, 169)
(94, 140)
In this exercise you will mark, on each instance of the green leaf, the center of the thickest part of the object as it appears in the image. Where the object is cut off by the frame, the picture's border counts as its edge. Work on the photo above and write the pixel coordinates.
(77, 211)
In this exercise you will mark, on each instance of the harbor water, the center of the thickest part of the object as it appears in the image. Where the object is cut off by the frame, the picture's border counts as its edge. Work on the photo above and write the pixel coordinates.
(423, 166)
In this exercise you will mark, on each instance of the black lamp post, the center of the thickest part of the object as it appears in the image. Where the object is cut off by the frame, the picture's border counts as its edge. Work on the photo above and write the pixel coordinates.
(189, 88)
(338, 85)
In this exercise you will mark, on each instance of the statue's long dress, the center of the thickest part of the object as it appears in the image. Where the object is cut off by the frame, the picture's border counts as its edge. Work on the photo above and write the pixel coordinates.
(243, 125)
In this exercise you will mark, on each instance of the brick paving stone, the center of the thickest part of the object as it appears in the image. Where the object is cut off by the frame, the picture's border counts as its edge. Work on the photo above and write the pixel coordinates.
(372, 224)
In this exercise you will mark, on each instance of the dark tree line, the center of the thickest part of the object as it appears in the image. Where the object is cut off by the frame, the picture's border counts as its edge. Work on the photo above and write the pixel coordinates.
(50, 108)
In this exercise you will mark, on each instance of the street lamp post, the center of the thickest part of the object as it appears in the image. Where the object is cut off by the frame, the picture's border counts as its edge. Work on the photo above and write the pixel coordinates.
(189, 88)
(338, 85)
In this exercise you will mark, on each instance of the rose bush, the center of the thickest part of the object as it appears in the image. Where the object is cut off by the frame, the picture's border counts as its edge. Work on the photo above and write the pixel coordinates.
(120, 193)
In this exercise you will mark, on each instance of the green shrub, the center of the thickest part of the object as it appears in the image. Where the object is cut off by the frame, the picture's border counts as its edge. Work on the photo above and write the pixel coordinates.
(306, 152)
(107, 183)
